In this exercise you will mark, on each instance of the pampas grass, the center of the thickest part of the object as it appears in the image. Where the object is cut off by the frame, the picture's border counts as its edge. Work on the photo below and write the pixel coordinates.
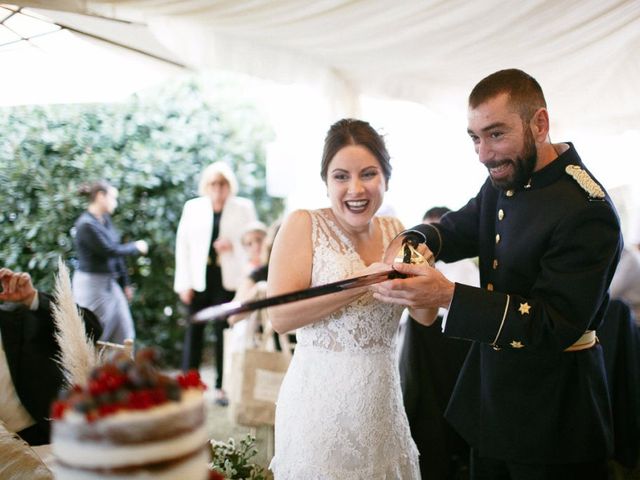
(77, 353)
(18, 461)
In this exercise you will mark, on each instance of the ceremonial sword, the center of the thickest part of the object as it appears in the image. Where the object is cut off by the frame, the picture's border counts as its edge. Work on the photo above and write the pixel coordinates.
(407, 253)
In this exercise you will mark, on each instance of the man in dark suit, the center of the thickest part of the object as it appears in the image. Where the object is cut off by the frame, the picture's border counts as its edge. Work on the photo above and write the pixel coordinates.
(29, 376)
(531, 398)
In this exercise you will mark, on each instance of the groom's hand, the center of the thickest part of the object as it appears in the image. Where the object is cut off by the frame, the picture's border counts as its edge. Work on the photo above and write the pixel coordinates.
(424, 287)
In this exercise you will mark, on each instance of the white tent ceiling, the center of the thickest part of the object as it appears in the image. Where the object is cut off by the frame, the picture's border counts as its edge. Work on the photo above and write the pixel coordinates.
(585, 53)
(44, 62)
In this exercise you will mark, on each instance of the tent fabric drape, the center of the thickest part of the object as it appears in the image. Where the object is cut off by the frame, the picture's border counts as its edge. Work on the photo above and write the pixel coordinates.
(583, 52)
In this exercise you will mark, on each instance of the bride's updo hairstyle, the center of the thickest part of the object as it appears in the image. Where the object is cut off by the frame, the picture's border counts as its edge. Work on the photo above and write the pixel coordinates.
(349, 131)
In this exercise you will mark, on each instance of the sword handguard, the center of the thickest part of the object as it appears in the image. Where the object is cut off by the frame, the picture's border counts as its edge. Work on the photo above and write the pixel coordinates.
(404, 249)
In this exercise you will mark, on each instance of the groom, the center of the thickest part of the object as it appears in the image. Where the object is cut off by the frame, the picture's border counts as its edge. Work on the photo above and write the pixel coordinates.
(531, 398)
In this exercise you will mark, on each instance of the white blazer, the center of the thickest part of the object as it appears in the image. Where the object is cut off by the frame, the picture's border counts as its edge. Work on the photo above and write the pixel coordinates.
(194, 238)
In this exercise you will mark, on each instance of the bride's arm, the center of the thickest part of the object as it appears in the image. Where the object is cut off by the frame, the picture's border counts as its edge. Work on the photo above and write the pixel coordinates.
(290, 270)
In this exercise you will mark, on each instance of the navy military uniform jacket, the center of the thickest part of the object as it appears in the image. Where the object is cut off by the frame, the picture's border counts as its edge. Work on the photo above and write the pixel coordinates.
(547, 254)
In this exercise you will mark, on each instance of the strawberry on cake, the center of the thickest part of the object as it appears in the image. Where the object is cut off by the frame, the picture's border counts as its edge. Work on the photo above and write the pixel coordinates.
(131, 421)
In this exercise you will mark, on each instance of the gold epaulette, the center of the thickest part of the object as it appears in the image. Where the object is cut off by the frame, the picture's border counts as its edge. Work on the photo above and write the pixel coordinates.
(585, 181)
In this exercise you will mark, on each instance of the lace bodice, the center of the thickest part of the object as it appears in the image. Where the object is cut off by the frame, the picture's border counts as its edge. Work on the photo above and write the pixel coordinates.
(365, 324)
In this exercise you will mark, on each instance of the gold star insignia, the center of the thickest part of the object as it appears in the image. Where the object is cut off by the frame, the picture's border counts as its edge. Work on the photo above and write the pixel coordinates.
(515, 344)
(524, 308)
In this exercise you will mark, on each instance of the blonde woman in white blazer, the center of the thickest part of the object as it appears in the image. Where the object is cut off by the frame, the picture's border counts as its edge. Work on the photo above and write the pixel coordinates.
(210, 259)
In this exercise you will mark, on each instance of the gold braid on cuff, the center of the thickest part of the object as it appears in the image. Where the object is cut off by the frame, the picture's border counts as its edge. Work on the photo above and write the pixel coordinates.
(494, 344)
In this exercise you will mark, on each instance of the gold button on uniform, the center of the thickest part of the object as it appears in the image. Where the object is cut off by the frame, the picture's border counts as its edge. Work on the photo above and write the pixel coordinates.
(500, 214)
(509, 193)
(490, 287)
(497, 238)
(495, 263)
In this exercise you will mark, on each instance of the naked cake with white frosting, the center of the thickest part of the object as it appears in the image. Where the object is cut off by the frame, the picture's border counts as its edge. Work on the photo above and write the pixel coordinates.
(131, 421)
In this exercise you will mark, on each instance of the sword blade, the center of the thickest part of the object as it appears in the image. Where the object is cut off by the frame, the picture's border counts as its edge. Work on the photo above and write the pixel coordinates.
(225, 310)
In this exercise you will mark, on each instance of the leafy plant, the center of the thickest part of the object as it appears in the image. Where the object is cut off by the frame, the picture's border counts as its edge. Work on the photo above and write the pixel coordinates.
(233, 460)
(152, 148)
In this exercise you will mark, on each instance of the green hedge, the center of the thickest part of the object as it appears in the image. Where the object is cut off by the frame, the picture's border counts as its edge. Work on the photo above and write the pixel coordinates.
(152, 148)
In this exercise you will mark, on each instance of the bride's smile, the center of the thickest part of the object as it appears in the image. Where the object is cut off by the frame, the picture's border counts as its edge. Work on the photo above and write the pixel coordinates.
(356, 187)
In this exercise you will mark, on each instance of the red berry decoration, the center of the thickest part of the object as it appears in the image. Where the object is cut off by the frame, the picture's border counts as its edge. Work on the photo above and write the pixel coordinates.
(191, 379)
(57, 409)
(123, 384)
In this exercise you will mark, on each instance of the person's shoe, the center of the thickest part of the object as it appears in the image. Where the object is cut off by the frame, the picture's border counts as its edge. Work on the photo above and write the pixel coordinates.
(221, 398)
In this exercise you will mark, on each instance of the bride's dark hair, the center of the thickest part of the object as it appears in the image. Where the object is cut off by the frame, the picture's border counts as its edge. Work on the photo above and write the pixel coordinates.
(349, 131)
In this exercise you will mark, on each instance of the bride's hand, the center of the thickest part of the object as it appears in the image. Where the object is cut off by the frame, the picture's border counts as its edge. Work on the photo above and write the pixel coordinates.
(375, 268)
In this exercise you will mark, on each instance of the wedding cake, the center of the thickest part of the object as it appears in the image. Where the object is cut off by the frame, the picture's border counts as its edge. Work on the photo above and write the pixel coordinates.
(131, 421)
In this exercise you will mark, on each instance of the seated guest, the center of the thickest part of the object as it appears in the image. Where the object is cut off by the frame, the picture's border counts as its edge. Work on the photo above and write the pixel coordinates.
(30, 378)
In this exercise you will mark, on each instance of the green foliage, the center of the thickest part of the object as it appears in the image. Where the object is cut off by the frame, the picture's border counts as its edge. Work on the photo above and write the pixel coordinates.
(152, 148)
(233, 461)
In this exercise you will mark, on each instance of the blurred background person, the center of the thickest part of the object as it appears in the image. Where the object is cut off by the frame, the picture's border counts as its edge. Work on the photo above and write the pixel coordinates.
(253, 241)
(210, 259)
(249, 324)
(100, 282)
(625, 284)
(429, 367)
(30, 377)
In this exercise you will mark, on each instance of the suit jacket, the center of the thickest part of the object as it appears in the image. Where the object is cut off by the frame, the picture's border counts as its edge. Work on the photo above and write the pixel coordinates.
(547, 255)
(193, 240)
(619, 336)
(30, 346)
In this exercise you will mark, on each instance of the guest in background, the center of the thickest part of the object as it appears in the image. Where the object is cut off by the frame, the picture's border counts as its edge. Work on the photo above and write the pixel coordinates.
(252, 241)
(29, 376)
(634, 237)
(625, 284)
(429, 367)
(247, 325)
(101, 282)
(210, 258)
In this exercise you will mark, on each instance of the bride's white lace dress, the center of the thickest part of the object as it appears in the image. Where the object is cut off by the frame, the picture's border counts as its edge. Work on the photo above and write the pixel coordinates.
(340, 414)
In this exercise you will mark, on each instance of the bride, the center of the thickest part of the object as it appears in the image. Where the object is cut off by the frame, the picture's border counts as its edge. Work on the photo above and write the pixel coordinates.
(340, 413)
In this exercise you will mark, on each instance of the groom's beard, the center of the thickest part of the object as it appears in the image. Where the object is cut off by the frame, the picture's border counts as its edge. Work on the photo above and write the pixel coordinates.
(523, 165)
